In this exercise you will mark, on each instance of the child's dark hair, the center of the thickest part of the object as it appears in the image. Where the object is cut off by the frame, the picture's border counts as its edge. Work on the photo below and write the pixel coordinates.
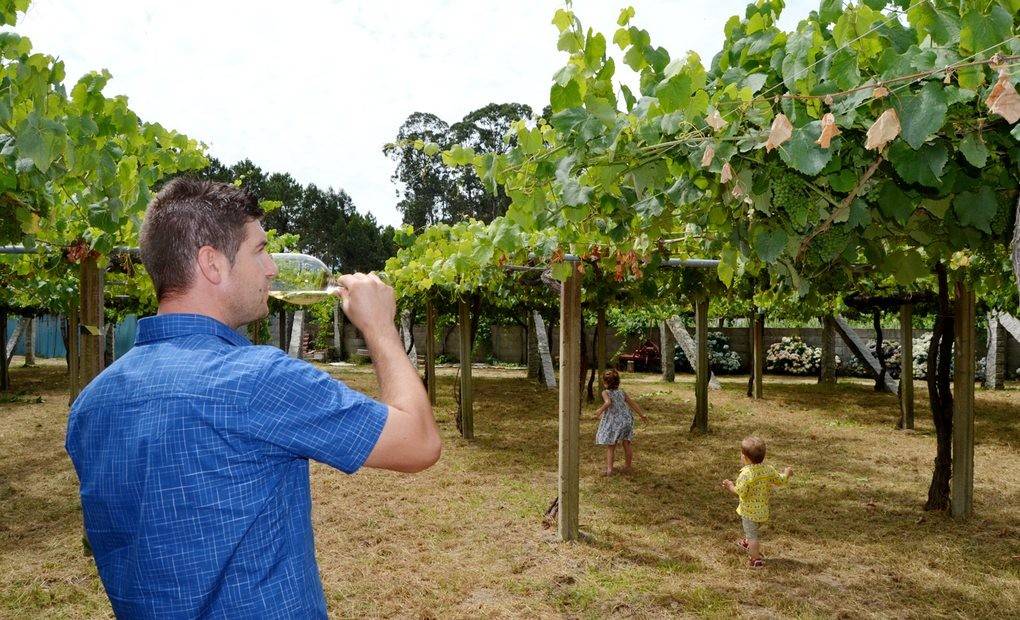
(611, 378)
(753, 448)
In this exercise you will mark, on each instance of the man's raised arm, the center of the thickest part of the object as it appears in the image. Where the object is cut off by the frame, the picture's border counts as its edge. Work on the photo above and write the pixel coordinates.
(410, 439)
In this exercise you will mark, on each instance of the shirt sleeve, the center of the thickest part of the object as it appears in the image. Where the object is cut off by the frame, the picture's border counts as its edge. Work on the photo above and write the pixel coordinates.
(302, 411)
(741, 484)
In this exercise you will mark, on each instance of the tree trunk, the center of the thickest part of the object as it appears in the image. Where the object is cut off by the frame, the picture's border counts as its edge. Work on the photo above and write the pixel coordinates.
(939, 395)
(534, 360)
(596, 363)
(5, 380)
(1016, 245)
(282, 327)
(29, 340)
(585, 358)
(827, 372)
(667, 348)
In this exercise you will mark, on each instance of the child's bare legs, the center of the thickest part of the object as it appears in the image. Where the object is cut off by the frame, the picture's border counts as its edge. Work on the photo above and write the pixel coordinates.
(628, 451)
(610, 457)
(753, 542)
(754, 549)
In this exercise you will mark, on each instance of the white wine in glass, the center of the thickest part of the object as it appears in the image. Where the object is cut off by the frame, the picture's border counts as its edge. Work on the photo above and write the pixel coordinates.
(301, 279)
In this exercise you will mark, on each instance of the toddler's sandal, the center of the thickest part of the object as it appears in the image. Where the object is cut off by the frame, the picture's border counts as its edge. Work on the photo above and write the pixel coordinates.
(759, 563)
(743, 544)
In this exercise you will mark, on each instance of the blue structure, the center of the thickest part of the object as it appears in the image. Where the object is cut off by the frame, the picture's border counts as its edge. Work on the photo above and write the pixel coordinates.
(49, 343)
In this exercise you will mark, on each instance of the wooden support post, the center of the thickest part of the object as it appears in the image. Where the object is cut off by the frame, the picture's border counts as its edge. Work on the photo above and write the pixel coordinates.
(570, 405)
(667, 350)
(907, 366)
(758, 355)
(430, 350)
(91, 328)
(73, 352)
(962, 490)
(601, 348)
(701, 366)
(467, 414)
(827, 374)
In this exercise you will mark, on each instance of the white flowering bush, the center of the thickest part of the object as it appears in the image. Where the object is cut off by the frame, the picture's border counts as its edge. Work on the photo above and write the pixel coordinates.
(793, 356)
(893, 365)
(722, 359)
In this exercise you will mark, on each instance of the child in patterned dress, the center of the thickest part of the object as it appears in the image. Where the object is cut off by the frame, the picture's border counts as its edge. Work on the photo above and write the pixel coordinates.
(753, 487)
(617, 423)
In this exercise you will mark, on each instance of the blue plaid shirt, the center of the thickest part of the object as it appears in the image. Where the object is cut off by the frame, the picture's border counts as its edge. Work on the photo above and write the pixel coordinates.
(192, 451)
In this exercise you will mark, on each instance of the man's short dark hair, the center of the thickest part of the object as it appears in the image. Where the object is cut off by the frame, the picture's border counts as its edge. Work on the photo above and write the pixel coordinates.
(186, 215)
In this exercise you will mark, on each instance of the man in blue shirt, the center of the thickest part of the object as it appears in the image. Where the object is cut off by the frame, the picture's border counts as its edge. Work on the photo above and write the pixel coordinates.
(192, 449)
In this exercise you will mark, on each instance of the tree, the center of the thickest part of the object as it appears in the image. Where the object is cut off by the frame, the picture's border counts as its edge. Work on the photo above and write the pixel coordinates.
(433, 192)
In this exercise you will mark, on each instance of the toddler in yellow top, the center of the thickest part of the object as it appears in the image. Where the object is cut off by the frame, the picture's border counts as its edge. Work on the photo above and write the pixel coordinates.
(753, 487)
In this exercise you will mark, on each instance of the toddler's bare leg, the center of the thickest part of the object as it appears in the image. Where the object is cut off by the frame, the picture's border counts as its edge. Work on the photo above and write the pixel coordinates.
(610, 457)
(628, 451)
(754, 549)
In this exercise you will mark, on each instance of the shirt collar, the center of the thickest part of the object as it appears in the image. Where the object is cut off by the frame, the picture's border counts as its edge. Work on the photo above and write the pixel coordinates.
(166, 326)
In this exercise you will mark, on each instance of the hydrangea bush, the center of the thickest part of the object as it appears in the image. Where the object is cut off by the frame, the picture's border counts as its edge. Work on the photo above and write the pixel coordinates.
(793, 356)
(722, 359)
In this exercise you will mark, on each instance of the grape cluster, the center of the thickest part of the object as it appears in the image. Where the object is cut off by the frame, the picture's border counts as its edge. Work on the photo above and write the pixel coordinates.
(790, 195)
(827, 246)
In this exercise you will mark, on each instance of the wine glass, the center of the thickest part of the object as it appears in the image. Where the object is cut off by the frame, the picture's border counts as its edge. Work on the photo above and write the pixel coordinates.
(301, 279)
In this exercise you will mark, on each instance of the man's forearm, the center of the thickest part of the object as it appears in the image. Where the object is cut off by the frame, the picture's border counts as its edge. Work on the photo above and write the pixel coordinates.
(398, 380)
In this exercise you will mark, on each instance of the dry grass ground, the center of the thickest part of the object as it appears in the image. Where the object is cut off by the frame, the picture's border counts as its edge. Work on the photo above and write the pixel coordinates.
(465, 539)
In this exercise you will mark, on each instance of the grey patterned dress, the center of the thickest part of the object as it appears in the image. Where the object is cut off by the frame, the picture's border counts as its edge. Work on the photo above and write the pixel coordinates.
(617, 422)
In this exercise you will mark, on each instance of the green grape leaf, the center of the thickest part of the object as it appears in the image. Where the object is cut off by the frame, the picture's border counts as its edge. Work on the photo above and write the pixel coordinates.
(922, 113)
(625, 16)
(843, 69)
(976, 208)
(575, 194)
(829, 11)
(894, 203)
(566, 120)
(562, 19)
(769, 243)
(563, 97)
(803, 154)
(907, 267)
(674, 92)
(594, 50)
(39, 139)
(924, 166)
(983, 32)
(974, 149)
(562, 271)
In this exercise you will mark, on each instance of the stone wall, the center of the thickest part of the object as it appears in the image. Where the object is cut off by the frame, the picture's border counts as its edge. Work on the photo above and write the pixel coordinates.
(508, 343)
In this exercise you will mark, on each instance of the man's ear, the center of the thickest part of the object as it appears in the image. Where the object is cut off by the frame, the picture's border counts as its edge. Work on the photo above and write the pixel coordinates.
(211, 264)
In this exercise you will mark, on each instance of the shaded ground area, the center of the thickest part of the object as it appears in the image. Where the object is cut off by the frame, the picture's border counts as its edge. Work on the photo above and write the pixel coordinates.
(465, 539)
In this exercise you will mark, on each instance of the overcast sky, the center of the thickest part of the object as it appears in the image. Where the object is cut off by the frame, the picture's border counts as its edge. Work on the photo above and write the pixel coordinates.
(317, 87)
